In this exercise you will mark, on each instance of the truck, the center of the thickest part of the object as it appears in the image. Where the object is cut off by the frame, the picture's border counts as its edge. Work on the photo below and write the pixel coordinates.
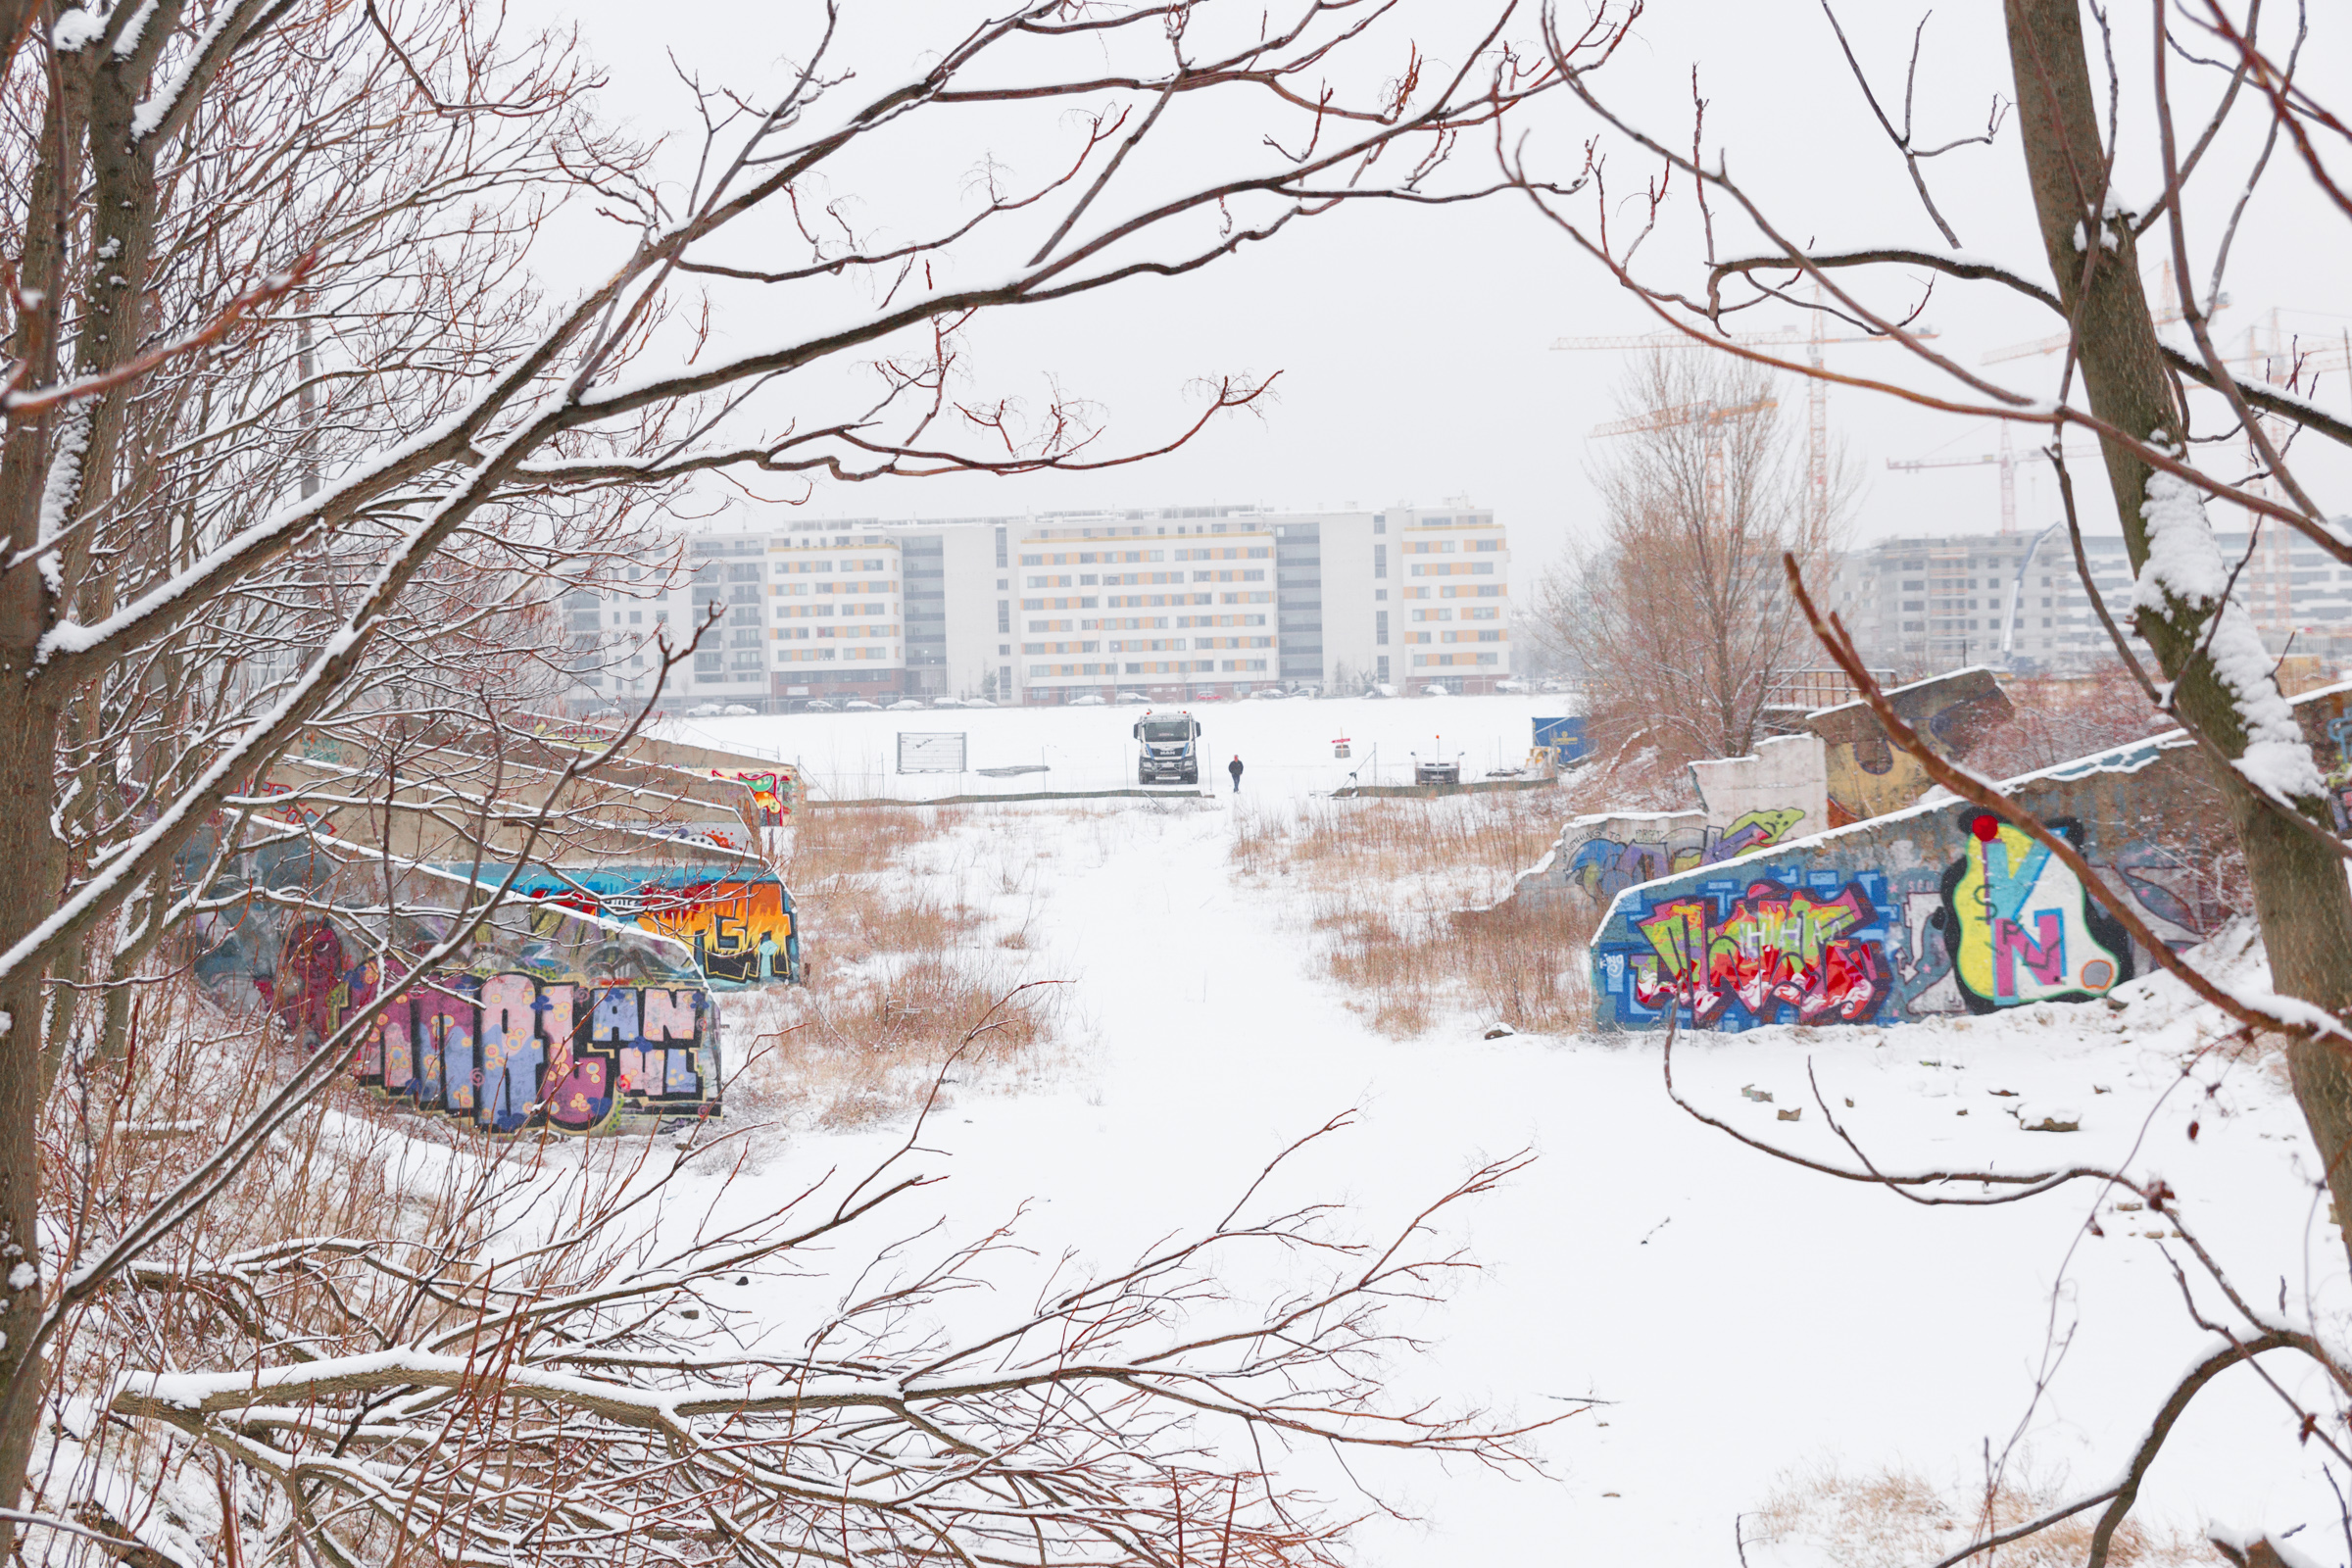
(1169, 748)
(1437, 769)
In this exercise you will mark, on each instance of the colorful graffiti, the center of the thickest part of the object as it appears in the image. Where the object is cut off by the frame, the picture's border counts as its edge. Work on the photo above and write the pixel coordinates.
(507, 1053)
(740, 928)
(540, 1017)
(771, 795)
(511, 1052)
(1604, 866)
(1773, 954)
(1960, 911)
(2003, 924)
(2022, 927)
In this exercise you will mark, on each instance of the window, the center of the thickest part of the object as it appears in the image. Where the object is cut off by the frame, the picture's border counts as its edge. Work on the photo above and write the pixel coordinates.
(1380, 561)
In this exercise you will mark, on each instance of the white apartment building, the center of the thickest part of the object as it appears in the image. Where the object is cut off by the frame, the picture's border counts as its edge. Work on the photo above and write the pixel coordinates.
(1926, 604)
(1179, 603)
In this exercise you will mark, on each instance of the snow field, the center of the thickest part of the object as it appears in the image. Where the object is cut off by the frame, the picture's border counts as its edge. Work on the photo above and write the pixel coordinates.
(1744, 1320)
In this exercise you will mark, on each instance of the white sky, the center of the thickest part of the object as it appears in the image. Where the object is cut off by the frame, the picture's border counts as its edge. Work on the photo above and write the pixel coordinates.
(1416, 345)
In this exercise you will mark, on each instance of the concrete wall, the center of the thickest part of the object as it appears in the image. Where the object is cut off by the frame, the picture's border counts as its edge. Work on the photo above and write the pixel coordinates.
(545, 1018)
(1785, 783)
(1867, 776)
(1599, 856)
(1942, 908)
(671, 839)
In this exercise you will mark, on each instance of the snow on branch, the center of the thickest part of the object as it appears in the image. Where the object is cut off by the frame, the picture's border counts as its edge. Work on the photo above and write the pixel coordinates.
(578, 1401)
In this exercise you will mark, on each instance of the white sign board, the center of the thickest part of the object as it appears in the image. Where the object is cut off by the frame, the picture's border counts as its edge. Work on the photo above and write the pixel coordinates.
(930, 751)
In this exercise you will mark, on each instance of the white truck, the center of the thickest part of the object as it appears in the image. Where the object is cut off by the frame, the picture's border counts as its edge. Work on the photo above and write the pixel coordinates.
(1169, 749)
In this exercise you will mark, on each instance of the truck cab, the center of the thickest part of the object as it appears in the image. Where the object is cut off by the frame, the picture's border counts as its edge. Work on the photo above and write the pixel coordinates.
(1169, 749)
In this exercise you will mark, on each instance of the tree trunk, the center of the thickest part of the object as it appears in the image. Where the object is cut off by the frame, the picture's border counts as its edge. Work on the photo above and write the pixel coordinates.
(2301, 895)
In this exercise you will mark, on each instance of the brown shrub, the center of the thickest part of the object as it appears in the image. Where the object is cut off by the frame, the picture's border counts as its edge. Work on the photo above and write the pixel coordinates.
(1896, 1516)
(900, 969)
(1399, 891)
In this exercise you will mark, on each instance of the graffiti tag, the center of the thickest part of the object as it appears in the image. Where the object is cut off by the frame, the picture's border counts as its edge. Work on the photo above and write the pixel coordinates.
(1775, 949)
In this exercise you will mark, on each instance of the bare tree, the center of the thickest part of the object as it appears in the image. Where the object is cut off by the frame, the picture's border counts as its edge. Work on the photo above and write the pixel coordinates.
(1676, 615)
(295, 443)
(2171, 419)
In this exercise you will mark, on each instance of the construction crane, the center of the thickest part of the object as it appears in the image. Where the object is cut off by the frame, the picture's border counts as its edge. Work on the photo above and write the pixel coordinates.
(2165, 314)
(1817, 390)
(1709, 417)
(2008, 460)
(1708, 414)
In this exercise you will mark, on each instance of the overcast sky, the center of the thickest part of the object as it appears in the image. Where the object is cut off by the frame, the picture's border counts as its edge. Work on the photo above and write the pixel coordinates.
(1415, 346)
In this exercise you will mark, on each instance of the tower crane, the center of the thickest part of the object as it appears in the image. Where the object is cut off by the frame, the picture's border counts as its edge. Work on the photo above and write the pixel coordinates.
(2007, 458)
(2165, 314)
(1708, 416)
(1817, 391)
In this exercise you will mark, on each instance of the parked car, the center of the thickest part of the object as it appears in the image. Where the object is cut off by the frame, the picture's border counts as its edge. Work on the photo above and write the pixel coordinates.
(1436, 689)
(909, 704)
(820, 705)
(1379, 690)
(705, 711)
(947, 702)
(858, 704)
(1510, 685)
(978, 701)
(1087, 699)
(1264, 693)
(1133, 697)
(739, 711)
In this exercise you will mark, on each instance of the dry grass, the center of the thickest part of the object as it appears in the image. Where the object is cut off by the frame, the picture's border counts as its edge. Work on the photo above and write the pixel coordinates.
(1895, 1516)
(116, 1136)
(1400, 892)
(902, 968)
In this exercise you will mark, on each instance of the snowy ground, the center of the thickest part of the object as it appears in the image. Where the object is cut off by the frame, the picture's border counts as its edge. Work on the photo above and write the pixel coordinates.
(1742, 1318)
(1285, 744)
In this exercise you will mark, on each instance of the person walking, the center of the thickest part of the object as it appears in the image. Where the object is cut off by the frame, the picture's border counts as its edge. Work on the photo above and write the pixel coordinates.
(1235, 768)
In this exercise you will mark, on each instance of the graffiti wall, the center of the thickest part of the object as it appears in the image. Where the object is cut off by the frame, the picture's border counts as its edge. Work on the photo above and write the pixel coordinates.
(1785, 779)
(1599, 856)
(1866, 776)
(545, 1017)
(739, 924)
(1942, 908)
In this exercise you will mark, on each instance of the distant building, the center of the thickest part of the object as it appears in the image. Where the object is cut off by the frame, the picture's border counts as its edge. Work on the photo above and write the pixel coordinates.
(1928, 604)
(1179, 603)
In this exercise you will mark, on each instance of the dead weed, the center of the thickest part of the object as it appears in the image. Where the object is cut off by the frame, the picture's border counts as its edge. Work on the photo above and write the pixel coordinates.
(1399, 891)
(1898, 1516)
(903, 968)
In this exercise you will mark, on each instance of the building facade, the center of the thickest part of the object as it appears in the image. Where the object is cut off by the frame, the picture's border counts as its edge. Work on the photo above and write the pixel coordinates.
(1921, 605)
(1180, 603)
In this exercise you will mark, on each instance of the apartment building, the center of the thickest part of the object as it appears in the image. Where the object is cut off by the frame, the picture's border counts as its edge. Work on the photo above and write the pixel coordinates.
(1176, 603)
(1926, 604)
